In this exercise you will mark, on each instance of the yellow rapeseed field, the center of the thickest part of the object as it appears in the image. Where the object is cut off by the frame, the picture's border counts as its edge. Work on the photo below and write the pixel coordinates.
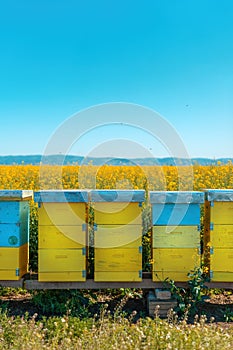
(30, 177)
(168, 178)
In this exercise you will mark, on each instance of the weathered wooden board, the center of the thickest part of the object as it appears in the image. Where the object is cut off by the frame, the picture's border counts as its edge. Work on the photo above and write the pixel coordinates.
(56, 260)
(55, 237)
(221, 276)
(221, 236)
(221, 213)
(67, 214)
(116, 236)
(176, 237)
(12, 275)
(145, 283)
(221, 260)
(118, 259)
(174, 263)
(62, 276)
(117, 213)
(13, 262)
(12, 258)
(118, 276)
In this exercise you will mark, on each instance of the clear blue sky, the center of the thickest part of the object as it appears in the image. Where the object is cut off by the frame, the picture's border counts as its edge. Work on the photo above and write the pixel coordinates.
(174, 56)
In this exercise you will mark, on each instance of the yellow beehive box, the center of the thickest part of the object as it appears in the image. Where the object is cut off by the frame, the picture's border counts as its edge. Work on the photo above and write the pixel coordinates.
(116, 276)
(176, 237)
(219, 206)
(222, 260)
(123, 264)
(221, 213)
(221, 276)
(72, 214)
(69, 264)
(178, 276)
(118, 235)
(218, 237)
(120, 259)
(13, 262)
(14, 257)
(58, 207)
(61, 237)
(117, 207)
(13, 274)
(221, 236)
(62, 276)
(115, 236)
(117, 213)
(174, 263)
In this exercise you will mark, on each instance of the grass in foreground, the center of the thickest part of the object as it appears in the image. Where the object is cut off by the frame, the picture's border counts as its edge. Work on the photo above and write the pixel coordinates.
(111, 332)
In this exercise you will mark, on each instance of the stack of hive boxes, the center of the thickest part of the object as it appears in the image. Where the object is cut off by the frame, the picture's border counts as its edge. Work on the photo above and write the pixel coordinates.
(62, 237)
(14, 233)
(218, 238)
(176, 233)
(118, 234)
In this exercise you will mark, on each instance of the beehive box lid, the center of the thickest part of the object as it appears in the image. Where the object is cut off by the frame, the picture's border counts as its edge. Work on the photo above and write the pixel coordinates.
(61, 196)
(176, 197)
(117, 196)
(15, 195)
(219, 195)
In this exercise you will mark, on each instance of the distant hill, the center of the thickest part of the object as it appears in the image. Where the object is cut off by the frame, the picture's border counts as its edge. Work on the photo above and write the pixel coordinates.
(58, 159)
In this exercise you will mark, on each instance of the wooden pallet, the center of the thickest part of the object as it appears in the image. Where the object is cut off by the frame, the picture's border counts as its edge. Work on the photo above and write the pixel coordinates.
(159, 307)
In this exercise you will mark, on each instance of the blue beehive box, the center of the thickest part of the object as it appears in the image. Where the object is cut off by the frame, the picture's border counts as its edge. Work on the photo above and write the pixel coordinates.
(175, 233)
(14, 233)
(176, 208)
(14, 217)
